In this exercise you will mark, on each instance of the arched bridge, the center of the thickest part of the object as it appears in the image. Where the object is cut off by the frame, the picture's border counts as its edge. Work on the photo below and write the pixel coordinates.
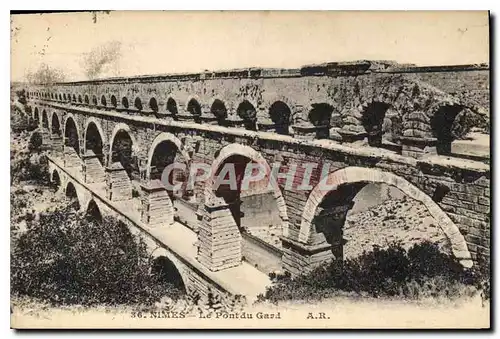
(364, 122)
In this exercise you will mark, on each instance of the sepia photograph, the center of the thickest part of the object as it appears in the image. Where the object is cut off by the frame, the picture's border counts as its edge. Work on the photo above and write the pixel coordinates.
(250, 169)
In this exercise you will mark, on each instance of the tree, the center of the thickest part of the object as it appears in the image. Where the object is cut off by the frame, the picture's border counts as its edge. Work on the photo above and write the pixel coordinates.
(100, 59)
(45, 74)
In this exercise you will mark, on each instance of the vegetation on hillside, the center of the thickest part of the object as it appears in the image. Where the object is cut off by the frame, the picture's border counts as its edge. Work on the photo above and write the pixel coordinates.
(69, 258)
(420, 272)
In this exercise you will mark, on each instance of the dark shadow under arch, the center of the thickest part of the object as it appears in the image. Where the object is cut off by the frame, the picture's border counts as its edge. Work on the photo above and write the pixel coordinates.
(248, 113)
(56, 180)
(442, 123)
(138, 104)
(172, 107)
(153, 105)
(56, 126)
(72, 196)
(320, 116)
(373, 119)
(121, 151)
(165, 270)
(280, 113)
(93, 213)
(93, 141)
(218, 109)
(194, 108)
(125, 102)
(71, 135)
(45, 120)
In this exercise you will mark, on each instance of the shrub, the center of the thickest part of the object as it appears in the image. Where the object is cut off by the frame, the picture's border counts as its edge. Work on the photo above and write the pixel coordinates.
(422, 271)
(67, 258)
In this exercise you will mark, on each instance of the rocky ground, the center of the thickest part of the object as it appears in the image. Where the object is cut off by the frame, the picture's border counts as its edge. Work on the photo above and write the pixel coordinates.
(393, 220)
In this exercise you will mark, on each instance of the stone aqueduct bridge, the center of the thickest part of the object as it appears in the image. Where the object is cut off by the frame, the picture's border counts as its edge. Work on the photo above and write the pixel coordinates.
(112, 138)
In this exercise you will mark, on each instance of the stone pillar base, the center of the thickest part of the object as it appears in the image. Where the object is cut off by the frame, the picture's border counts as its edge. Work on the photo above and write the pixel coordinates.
(351, 136)
(156, 205)
(299, 258)
(92, 169)
(118, 184)
(70, 157)
(235, 121)
(185, 117)
(418, 147)
(208, 118)
(219, 239)
(311, 132)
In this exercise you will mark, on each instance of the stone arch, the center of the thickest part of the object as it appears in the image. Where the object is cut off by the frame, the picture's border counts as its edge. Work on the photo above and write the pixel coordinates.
(441, 123)
(64, 96)
(219, 109)
(181, 268)
(114, 103)
(70, 120)
(55, 178)
(86, 99)
(99, 128)
(92, 211)
(36, 115)
(372, 120)
(74, 98)
(253, 155)
(280, 114)
(153, 105)
(96, 146)
(70, 192)
(103, 100)
(138, 104)
(125, 102)
(171, 106)
(292, 105)
(121, 127)
(55, 124)
(80, 98)
(165, 136)
(351, 175)
(247, 111)
(94, 100)
(320, 115)
(72, 117)
(45, 119)
(194, 108)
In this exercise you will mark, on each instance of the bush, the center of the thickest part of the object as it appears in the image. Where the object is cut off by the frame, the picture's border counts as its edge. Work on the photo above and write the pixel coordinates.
(67, 258)
(422, 271)
(27, 166)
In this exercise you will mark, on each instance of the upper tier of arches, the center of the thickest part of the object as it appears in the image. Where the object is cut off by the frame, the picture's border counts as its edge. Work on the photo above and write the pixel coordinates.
(392, 109)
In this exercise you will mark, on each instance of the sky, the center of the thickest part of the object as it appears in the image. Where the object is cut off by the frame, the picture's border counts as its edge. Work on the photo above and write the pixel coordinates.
(158, 42)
